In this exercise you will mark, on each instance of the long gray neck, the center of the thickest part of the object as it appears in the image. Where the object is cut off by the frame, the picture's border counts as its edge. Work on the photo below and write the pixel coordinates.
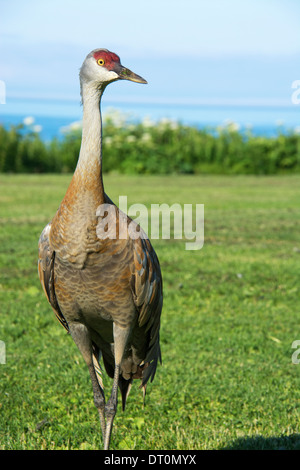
(89, 165)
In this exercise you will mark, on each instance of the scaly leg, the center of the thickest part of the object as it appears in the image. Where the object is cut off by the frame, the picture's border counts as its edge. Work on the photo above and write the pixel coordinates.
(82, 339)
(120, 340)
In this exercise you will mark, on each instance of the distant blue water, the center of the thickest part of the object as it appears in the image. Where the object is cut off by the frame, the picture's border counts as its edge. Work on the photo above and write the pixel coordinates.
(265, 121)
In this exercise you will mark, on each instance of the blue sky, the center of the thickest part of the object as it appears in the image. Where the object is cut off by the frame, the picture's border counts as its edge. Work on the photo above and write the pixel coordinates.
(190, 51)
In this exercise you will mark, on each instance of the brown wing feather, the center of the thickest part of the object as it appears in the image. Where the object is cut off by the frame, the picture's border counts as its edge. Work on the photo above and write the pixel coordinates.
(46, 273)
(148, 298)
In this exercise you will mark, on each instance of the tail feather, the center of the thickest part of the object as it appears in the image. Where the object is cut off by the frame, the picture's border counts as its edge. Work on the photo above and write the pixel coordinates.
(96, 356)
(153, 356)
(124, 386)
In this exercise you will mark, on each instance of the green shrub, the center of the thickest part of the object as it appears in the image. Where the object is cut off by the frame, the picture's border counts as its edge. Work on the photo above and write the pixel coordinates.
(149, 148)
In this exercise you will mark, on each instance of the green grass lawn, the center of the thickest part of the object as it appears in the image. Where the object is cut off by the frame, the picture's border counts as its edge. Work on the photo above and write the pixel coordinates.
(231, 313)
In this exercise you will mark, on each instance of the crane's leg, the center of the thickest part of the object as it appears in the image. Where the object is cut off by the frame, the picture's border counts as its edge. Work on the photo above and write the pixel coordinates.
(120, 340)
(82, 339)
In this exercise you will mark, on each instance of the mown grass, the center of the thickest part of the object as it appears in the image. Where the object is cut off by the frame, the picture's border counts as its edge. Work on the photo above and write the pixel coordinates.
(231, 313)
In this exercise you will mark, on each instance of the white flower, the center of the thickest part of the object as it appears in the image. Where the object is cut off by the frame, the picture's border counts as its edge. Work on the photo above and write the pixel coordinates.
(166, 122)
(297, 130)
(108, 140)
(147, 122)
(114, 116)
(146, 137)
(74, 126)
(174, 125)
(235, 127)
(130, 139)
(232, 126)
(37, 128)
(28, 121)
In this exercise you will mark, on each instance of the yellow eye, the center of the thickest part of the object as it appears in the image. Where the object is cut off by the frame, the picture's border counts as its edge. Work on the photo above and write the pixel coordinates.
(100, 62)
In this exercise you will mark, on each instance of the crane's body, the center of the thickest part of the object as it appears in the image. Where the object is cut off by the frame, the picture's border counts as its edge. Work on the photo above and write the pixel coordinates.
(106, 292)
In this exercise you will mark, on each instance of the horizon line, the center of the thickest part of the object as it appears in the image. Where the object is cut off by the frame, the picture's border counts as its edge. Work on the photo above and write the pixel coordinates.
(190, 102)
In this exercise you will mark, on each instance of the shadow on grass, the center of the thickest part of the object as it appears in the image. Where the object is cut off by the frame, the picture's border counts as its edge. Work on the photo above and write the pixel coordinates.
(291, 442)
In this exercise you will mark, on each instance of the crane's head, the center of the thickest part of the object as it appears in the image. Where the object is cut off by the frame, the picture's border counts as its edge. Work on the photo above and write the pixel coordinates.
(102, 67)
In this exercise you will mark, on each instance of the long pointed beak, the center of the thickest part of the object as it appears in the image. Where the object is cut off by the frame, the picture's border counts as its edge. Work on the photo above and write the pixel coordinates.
(126, 74)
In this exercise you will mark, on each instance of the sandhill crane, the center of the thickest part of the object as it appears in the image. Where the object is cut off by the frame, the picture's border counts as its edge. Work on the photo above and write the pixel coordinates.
(106, 292)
